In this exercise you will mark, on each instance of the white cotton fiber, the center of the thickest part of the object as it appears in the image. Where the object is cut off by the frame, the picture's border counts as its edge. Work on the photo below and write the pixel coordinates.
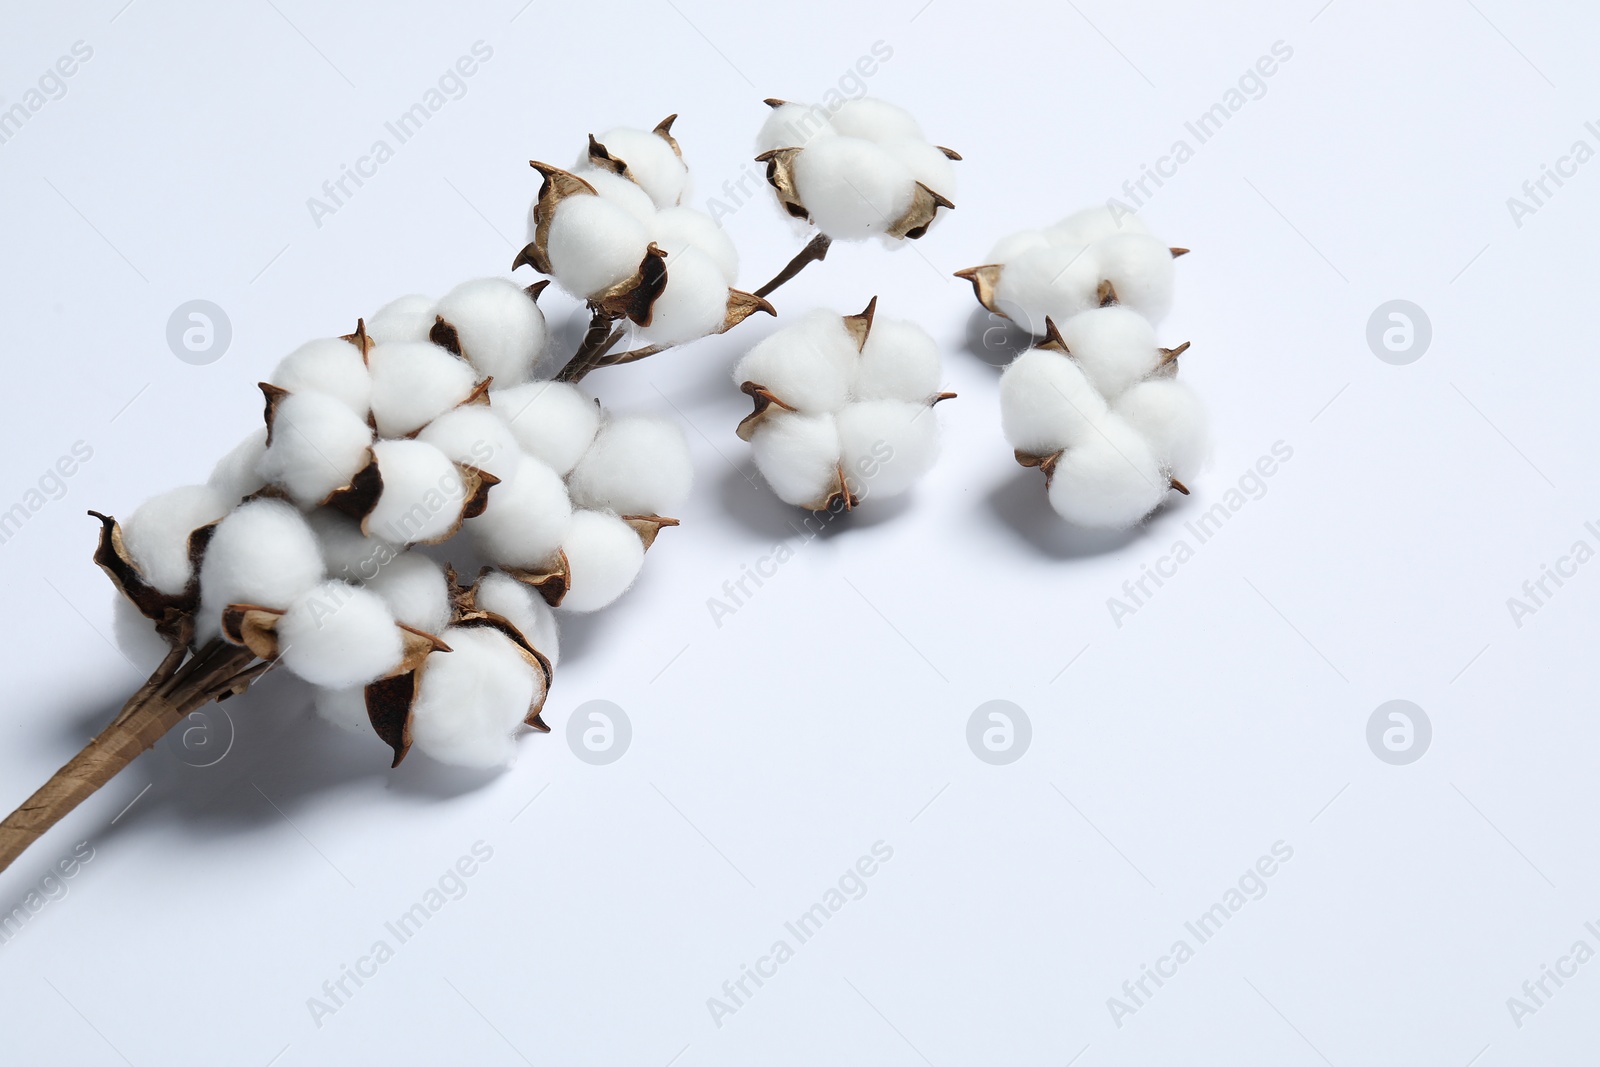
(1047, 403)
(476, 435)
(347, 553)
(527, 517)
(1141, 270)
(1109, 480)
(1093, 224)
(338, 635)
(676, 228)
(422, 496)
(927, 164)
(638, 465)
(875, 120)
(410, 318)
(1115, 346)
(136, 635)
(886, 445)
(1055, 282)
(898, 362)
(620, 191)
(318, 445)
(793, 126)
(344, 708)
(694, 303)
(501, 330)
(852, 188)
(262, 553)
(1015, 245)
(604, 556)
(156, 535)
(414, 382)
(809, 365)
(1170, 416)
(523, 608)
(235, 476)
(552, 421)
(594, 244)
(651, 162)
(332, 366)
(798, 455)
(471, 701)
(415, 589)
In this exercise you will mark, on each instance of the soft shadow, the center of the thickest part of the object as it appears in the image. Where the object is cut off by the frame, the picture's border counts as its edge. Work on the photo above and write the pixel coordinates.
(747, 500)
(1020, 503)
(995, 339)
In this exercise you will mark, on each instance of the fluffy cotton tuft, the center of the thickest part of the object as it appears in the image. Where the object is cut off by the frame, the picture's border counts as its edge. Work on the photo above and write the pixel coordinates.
(1047, 403)
(422, 495)
(619, 191)
(927, 164)
(235, 476)
(1051, 282)
(693, 304)
(887, 445)
(875, 120)
(347, 553)
(523, 608)
(1141, 270)
(337, 635)
(410, 318)
(604, 556)
(677, 228)
(898, 362)
(552, 421)
(263, 552)
(157, 534)
(1057, 271)
(798, 455)
(332, 366)
(476, 435)
(809, 365)
(414, 382)
(501, 329)
(415, 589)
(652, 163)
(793, 126)
(594, 244)
(1093, 224)
(471, 701)
(318, 445)
(1170, 416)
(528, 516)
(638, 465)
(1110, 480)
(1115, 346)
(853, 188)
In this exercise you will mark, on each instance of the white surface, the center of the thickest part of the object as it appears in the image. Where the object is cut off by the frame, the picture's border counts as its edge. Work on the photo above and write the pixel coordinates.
(829, 711)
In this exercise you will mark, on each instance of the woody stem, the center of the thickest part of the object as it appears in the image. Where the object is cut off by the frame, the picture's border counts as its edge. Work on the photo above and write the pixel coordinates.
(814, 252)
(597, 341)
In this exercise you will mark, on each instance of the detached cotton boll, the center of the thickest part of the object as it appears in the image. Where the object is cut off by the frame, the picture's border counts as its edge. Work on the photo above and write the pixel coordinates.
(337, 635)
(852, 188)
(477, 436)
(414, 588)
(523, 608)
(651, 162)
(414, 382)
(157, 534)
(793, 126)
(898, 362)
(619, 191)
(422, 493)
(677, 228)
(638, 465)
(235, 476)
(694, 303)
(1047, 403)
(604, 556)
(552, 421)
(1170, 416)
(875, 120)
(594, 244)
(927, 164)
(501, 330)
(1115, 346)
(318, 445)
(332, 366)
(1093, 224)
(527, 517)
(799, 456)
(887, 445)
(344, 708)
(1110, 480)
(409, 318)
(471, 701)
(1052, 282)
(262, 553)
(1141, 270)
(809, 365)
(347, 553)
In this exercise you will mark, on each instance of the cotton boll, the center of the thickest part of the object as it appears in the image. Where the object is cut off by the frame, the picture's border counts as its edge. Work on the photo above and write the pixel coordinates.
(793, 126)
(694, 303)
(1094, 224)
(594, 244)
(344, 708)
(677, 228)
(523, 608)
(338, 635)
(619, 191)
(471, 701)
(477, 436)
(927, 164)
(552, 421)
(527, 517)
(798, 455)
(501, 330)
(638, 465)
(262, 553)
(886, 445)
(318, 445)
(157, 534)
(332, 366)
(651, 162)
(1115, 346)
(1016, 245)
(875, 120)
(852, 188)
(809, 365)
(136, 635)
(415, 590)
(347, 553)
(1141, 270)
(898, 362)
(1047, 403)
(1052, 282)
(1170, 416)
(409, 318)
(414, 382)
(235, 476)
(422, 495)
(604, 556)
(1110, 480)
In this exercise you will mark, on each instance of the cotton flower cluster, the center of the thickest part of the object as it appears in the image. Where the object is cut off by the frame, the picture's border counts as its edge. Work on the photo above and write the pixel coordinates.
(842, 407)
(1093, 257)
(863, 170)
(1097, 405)
(426, 423)
(614, 232)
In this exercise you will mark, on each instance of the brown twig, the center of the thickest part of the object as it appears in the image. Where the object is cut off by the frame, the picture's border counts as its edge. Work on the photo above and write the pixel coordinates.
(814, 252)
(597, 341)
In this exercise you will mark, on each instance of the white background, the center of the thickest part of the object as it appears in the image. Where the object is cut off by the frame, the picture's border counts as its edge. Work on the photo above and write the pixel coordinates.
(830, 711)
